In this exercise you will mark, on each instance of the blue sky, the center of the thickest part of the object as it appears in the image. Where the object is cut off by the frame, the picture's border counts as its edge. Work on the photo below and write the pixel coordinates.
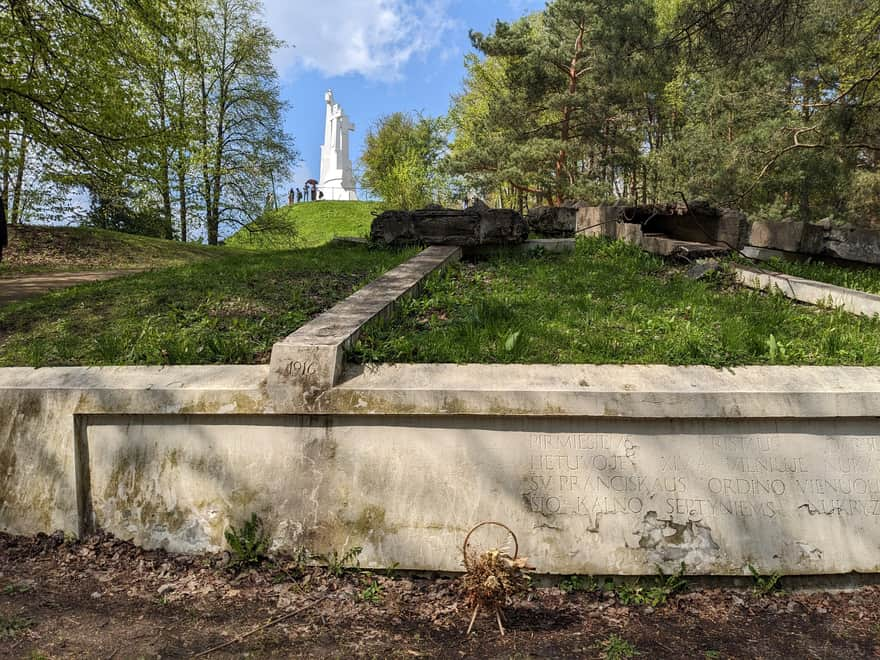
(378, 57)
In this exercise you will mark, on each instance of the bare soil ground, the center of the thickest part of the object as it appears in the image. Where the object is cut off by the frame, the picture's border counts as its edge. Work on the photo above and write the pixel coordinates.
(103, 598)
(27, 286)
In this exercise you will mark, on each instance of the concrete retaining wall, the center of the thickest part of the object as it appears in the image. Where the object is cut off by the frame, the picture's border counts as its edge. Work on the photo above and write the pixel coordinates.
(598, 469)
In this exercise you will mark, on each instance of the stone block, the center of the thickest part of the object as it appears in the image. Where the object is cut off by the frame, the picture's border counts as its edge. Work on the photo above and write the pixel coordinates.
(597, 221)
(732, 229)
(777, 235)
(854, 244)
(586, 496)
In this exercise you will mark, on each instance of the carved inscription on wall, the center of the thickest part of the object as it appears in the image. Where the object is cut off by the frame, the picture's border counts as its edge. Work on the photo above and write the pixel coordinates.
(699, 477)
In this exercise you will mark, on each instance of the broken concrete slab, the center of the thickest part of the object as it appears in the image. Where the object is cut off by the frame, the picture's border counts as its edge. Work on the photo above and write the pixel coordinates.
(809, 291)
(784, 236)
(847, 242)
(476, 225)
(553, 221)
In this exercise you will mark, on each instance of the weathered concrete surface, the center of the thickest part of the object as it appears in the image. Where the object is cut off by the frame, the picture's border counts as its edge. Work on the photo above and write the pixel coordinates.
(592, 496)
(597, 221)
(553, 221)
(619, 391)
(475, 225)
(38, 408)
(785, 236)
(598, 468)
(850, 243)
(673, 247)
(310, 360)
(697, 222)
(853, 244)
(809, 291)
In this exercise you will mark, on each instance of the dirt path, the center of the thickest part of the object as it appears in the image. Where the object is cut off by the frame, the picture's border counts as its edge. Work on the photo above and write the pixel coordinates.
(107, 599)
(26, 286)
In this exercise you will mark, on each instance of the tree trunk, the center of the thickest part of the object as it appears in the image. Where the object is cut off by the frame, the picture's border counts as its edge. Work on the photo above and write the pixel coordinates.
(165, 164)
(566, 112)
(3, 238)
(6, 164)
(17, 206)
(181, 186)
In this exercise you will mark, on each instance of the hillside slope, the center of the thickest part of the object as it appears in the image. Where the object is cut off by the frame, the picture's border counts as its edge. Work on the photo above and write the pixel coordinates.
(306, 225)
(40, 249)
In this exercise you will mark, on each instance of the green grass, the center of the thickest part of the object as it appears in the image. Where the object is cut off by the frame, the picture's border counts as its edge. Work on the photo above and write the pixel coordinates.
(306, 225)
(610, 302)
(38, 249)
(220, 311)
(861, 278)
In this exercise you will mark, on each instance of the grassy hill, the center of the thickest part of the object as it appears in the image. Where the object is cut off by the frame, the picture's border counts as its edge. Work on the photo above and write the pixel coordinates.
(36, 249)
(228, 310)
(306, 225)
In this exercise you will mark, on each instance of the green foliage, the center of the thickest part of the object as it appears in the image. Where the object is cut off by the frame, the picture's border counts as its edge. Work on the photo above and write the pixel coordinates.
(117, 210)
(400, 160)
(609, 303)
(769, 106)
(371, 593)
(654, 595)
(226, 310)
(338, 563)
(617, 648)
(574, 583)
(248, 545)
(765, 584)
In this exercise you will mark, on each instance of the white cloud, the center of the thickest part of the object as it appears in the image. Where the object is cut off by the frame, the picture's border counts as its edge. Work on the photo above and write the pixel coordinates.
(374, 38)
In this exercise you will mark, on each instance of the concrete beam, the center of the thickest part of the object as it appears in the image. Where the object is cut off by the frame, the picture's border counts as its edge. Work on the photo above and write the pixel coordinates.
(809, 291)
(310, 360)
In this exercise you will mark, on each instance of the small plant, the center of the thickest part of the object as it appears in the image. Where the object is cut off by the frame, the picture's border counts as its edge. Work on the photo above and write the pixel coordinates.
(12, 589)
(338, 563)
(249, 545)
(765, 584)
(11, 626)
(775, 349)
(575, 583)
(511, 341)
(633, 593)
(712, 655)
(295, 565)
(371, 593)
(617, 648)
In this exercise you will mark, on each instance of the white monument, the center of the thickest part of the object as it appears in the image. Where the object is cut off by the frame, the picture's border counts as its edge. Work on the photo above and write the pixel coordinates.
(337, 178)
